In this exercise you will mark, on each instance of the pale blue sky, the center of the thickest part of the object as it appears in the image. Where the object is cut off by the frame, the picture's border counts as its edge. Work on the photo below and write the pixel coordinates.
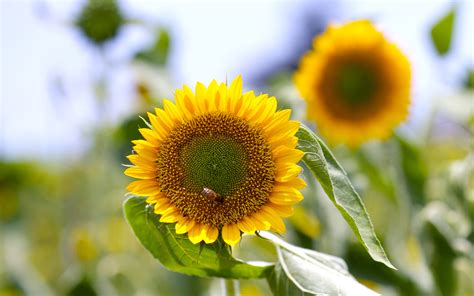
(217, 39)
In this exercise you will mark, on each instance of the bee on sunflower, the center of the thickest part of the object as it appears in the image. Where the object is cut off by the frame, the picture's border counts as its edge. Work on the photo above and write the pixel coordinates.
(355, 82)
(218, 161)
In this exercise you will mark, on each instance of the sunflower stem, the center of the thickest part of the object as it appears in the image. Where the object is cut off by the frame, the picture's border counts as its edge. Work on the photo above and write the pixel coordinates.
(230, 287)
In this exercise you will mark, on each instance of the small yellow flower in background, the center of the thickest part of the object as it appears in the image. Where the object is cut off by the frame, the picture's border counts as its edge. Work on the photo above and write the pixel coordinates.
(84, 246)
(355, 82)
(219, 161)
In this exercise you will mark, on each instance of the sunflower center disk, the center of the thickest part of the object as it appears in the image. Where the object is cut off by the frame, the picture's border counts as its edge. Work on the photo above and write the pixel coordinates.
(216, 168)
(355, 84)
(217, 163)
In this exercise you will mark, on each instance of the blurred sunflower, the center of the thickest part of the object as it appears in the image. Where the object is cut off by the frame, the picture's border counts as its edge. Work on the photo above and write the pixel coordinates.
(100, 20)
(355, 82)
(219, 161)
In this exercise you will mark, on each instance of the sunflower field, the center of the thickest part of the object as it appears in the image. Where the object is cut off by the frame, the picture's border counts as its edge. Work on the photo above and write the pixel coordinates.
(237, 148)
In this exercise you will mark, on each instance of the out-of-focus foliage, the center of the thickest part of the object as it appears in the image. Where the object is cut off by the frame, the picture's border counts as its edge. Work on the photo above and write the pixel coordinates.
(157, 54)
(442, 32)
(125, 133)
(469, 81)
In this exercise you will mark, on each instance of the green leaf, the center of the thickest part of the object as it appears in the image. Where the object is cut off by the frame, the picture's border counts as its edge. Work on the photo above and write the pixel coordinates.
(339, 189)
(178, 254)
(442, 31)
(306, 272)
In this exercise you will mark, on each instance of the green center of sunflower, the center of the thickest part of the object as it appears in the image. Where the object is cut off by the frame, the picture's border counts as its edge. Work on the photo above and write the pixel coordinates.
(355, 84)
(216, 168)
(217, 163)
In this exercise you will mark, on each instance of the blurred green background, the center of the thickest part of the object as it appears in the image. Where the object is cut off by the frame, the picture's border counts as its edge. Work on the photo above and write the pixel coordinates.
(76, 75)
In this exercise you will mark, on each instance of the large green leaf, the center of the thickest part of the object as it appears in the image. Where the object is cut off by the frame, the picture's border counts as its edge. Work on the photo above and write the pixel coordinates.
(178, 254)
(306, 272)
(442, 32)
(339, 189)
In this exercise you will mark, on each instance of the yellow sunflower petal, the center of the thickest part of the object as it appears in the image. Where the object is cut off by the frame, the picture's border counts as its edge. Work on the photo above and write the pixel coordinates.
(231, 234)
(287, 171)
(171, 215)
(143, 161)
(280, 118)
(283, 211)
(139, 173)
(285, 154)
(184, 225)
(164, 120)
(159, 131)
(144, 187)
(201, 99)
(296, 183)
(211, 235)
(246, 101)
(285, 196)
(235, 89)
(143, 144)
(196, 234)
(211, 96)
(267, 113)
(151, 136)
(181, 103)
(257, 109)
(145, 152)
(190, 100)
(162, 207)
(275, 220)
(260, 221)
(157, 198)
(173, 111)
(246, 225)
(283, 141)
(223, 102)
(284, 131)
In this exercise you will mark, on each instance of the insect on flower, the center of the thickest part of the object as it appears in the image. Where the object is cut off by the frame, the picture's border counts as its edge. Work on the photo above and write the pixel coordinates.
(212, 195)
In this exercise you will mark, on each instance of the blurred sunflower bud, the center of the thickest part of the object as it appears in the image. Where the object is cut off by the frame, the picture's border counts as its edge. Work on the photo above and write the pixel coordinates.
(305, 222)
(144, 93)
(100, 20)
(83, 244)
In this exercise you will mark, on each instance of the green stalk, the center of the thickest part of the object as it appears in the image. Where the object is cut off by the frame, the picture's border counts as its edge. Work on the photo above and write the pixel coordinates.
(230, 287)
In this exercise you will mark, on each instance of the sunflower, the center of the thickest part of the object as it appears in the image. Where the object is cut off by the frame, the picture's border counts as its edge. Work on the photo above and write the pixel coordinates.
(355, 82)
(218, 161)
